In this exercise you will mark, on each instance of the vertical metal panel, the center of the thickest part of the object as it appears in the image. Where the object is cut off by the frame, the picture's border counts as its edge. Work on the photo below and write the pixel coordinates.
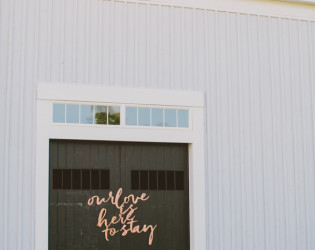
(105, 43)
(306, 120)
(177, 47)
(165, 38)
(153, 46)
(141, 42)
(68, 27)
(287, 137)
(117, 43)
(4, 51)
(188, 79)
(277, 94)
(12, 155)
(258, 76)
(310, 169)
(234, 128)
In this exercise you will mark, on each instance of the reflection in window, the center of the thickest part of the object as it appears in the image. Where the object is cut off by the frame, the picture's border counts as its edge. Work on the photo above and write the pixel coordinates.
(157, 117)
(72, 113)
(143, 117)
(110, 115)
(131, 116)
(182, 118)
(114, 115)
(100, 115)
(86, 114)
(170, 118)
(59, 113)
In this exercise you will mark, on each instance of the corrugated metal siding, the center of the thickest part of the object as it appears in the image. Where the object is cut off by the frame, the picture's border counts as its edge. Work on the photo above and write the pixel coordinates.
(259, 78)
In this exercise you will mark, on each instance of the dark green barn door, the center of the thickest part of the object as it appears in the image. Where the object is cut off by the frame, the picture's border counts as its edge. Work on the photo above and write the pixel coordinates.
(82, 169)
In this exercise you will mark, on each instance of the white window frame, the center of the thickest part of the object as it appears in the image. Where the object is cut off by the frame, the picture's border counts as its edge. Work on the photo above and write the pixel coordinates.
(47, 93)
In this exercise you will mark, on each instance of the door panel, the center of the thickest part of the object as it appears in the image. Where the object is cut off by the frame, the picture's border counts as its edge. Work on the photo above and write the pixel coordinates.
(72, 223)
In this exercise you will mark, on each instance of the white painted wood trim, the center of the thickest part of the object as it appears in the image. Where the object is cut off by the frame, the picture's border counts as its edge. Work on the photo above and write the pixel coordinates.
(98, 94)
(194, 137)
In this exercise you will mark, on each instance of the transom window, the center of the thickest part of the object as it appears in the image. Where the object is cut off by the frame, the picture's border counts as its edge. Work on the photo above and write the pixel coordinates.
(138, 116)
(157, 117)
(86, 114)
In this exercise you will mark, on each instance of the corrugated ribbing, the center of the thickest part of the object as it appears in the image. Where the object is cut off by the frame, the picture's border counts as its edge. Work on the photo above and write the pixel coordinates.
(258, 76)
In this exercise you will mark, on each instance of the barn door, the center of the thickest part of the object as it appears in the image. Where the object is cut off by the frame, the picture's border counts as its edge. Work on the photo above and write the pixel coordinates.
(80, 170)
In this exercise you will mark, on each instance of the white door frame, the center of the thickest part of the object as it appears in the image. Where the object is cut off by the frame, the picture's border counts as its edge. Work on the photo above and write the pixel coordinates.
(47, 93)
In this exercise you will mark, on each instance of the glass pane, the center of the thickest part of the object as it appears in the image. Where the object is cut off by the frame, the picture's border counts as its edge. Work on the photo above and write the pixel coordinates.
(86, 114)
(144, 182)
(170, 180)
(131, 116)
(135, 179)
(85, 179)
(95, 179)
(66, 184)
(179, 179)
(57, 179)
(100, 115)
(170, 118)
(143, 116)
(152, 180)
(114, 115)
(161, 180)
(182, 118)
(157, 117)
(72, 113)
(104, 179)
(58, 113)
(76, 179)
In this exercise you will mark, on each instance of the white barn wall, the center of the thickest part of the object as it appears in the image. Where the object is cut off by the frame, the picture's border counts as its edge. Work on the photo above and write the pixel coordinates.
(258, 76)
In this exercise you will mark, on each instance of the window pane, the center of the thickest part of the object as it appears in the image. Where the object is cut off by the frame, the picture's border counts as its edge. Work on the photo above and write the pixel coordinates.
(72, 113)
(131, 116)
(152, 180)
(114, 115)
(104, 179)
(95, 179)
(161, 180)
(100, 115)
(76, 179)
(66, 184)
(85, 179)
(157, 117)
(183, 118)
(58, 113)
(143, 116)
(179, 179)
(170, 118)
(57, 179)
(86, 114)
(170, 180)
(144, 182)
(134, 179)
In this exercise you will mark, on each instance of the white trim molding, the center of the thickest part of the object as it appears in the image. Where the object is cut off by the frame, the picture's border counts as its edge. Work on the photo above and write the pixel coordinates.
(46, 130)
(98, 94)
